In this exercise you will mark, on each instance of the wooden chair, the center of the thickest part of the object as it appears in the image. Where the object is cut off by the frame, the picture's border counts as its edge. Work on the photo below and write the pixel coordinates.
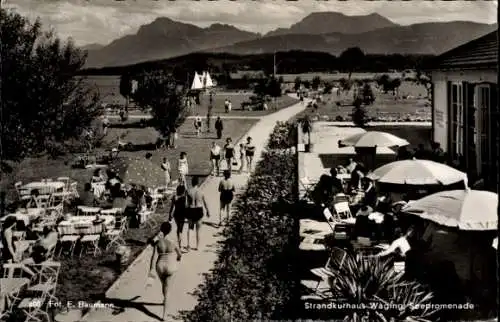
(90, 242)
(66, 180)
(116, 235)
(35, 308)
(326, 273)
(45, 278)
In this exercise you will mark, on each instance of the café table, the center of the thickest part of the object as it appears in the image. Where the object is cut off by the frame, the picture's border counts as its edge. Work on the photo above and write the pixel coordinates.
(86, 225)
(45, 187)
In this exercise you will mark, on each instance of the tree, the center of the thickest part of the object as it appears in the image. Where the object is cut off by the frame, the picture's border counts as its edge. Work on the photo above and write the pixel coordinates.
(328, 88)
(162, 94)
(359, 114)
(126, 88)
(367, 94)
(395, 84)
(352, 58)
(307, 84)
(297, 84)
(44, 106)
(424, 79)
(345, 84)
(316, 81)
(383, 81)
(273, 88)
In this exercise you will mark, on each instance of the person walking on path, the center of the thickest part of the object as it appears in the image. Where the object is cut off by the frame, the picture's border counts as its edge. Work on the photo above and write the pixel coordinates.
(209, 117)
(172, 139)
(215, 152)
(219, 126)
(183, 168)
(165, 166)
(229, 153)
(226, 189)
(250, 153)
(178, 211)
(197, 125)
(242, 157)
(195, 203)
(167, 263)
(226, 105)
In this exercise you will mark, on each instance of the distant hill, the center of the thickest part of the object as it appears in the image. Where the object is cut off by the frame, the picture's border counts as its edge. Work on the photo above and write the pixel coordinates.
(426, 38)
(165, 38)
(327, 32)
(334, 22)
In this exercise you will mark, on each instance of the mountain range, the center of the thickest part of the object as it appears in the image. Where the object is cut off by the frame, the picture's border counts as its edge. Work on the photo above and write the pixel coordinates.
(329, 32)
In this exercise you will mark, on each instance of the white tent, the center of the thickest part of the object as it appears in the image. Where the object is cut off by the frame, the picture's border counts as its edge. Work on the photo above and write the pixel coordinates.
(207, 80)
(197, 82)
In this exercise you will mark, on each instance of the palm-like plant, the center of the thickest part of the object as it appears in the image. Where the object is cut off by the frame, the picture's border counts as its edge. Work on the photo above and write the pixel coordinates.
(377, 292)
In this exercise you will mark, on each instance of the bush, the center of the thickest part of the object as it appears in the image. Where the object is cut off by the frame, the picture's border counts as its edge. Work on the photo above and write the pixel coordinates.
(252, 278)
(284, 136)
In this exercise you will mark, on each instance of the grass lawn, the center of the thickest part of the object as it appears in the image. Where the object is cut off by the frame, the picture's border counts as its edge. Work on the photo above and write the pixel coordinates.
(82, 278)
(385, 105)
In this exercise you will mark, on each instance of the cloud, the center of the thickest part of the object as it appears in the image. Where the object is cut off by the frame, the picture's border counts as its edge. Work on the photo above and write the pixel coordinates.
(101, 21)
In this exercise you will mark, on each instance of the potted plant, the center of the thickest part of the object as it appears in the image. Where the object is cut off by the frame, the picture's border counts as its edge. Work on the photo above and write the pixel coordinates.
(306, 126)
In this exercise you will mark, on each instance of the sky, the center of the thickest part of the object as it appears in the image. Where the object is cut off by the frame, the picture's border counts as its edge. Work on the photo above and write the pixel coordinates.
(101, 21)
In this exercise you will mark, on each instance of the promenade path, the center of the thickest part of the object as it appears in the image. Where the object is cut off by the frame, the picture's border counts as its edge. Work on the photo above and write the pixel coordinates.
(143, 303)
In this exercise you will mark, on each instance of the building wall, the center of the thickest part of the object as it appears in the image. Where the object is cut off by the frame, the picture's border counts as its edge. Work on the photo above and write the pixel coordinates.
(439, 110)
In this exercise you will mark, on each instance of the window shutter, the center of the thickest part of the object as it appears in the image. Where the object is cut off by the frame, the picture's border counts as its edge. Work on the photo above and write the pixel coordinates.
(450, 118)
(494, 138)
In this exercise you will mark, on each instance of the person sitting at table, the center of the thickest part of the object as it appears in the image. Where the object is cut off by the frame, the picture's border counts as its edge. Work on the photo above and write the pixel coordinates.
(98, 177)
(351, 166)
(363, 224)
(337, 186)
(34, 201)
(370, 198)
(323, 191)
(8, 252)
(341, 170)
(356, 176)
(87, 197)
(41, 250)
(113, 180)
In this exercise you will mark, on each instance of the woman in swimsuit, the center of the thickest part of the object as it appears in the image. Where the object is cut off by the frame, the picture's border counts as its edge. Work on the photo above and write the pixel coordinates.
(8, 251)
(215, 158)
(178, 211)
(229, 153)
(226, 189)
(250, 152)
(183, 168)
(242, 157)
(167, 263)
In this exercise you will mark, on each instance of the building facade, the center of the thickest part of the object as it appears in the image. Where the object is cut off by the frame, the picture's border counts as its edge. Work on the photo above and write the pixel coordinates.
(465, 107)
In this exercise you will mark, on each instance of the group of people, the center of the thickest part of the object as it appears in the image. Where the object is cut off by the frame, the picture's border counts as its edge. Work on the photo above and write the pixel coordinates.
(243, 156)
(198, 125)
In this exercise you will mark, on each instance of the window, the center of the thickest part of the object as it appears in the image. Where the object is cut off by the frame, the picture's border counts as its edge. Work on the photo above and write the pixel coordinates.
(483, 102)
(456, 109)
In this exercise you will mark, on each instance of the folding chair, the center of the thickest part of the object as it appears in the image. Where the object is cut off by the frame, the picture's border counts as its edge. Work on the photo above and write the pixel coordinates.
(67, 239)
(160, 198)
(92, 241)
(330, 219)
(35, 308)
(342, 209)
(325, 273)
(307, 186)
(45, 279)
(116, 235)
(12, 284)
(61, 198)
(340, 197)
(66, 181)
(22, 193)
(73, 190)
(149, 220)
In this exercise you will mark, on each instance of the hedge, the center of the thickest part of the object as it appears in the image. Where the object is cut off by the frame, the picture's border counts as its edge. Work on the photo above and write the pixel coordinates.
(284, 136)
(253, 277)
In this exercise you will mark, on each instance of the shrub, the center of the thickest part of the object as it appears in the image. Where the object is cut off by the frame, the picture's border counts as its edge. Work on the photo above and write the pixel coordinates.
(380, 293)
(359, 114)
(252, 278)
(284, 136)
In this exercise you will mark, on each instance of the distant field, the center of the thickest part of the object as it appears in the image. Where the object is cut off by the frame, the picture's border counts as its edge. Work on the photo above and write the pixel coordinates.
(337, 76)
(108, 88)
(385, 105)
